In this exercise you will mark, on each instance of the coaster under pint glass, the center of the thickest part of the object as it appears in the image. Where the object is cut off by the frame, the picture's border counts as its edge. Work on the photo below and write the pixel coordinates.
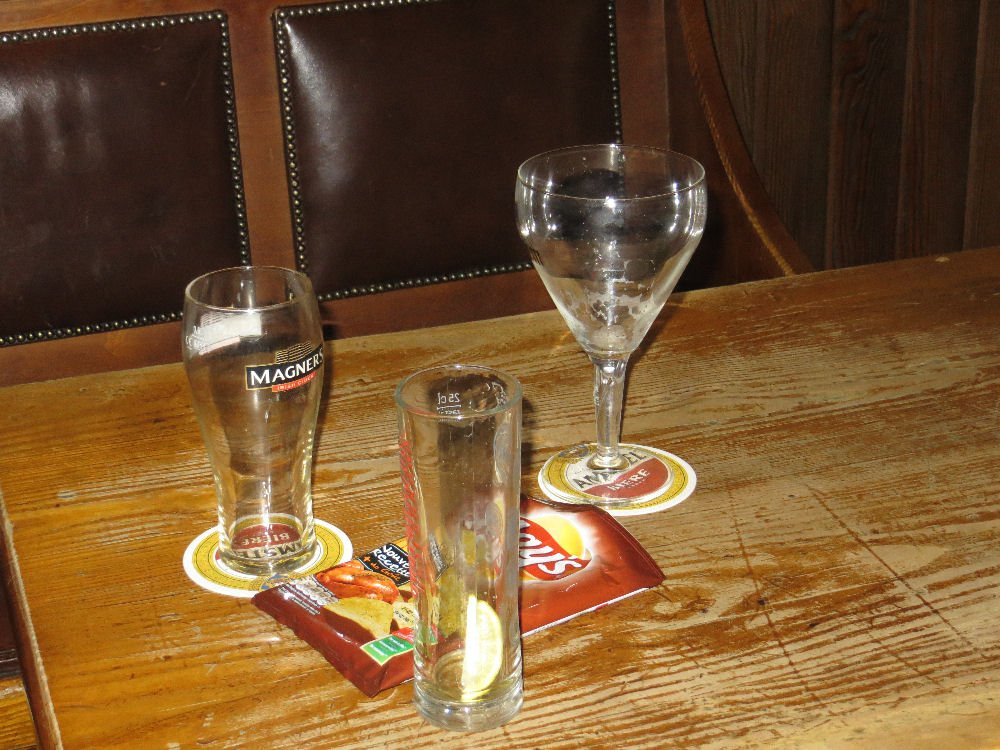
(459, 442)
(253, 352)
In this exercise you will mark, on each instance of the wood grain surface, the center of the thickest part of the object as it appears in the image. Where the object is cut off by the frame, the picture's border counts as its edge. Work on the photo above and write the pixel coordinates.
(832, 582)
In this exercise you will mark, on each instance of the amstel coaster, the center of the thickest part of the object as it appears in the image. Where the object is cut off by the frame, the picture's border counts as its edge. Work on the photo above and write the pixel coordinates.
(205, 567)
(654, 480)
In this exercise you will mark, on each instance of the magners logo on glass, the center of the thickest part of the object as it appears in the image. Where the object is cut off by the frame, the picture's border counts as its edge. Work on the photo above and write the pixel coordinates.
(292, 367)
(551, 547)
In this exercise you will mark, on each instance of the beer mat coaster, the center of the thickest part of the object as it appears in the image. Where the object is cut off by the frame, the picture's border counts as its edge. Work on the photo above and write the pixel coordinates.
(655, 480)
(205, 567)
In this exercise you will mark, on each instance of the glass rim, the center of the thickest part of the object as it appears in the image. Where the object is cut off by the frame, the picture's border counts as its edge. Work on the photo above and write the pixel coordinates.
(530, 184)
(515, 392)
(281, 271)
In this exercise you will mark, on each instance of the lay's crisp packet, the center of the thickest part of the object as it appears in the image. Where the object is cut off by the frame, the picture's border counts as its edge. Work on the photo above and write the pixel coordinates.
(360, 614)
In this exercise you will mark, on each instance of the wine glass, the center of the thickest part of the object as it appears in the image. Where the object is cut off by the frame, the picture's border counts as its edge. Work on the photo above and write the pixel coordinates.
(610, 229)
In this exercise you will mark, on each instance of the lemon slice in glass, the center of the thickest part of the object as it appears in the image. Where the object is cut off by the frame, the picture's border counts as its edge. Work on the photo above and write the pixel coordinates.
(483, 655)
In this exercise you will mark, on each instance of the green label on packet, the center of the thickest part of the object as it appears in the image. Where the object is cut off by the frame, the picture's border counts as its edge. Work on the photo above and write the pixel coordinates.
(383, 649)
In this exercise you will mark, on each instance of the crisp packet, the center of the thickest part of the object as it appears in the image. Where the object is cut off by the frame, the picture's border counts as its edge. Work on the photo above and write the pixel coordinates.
(360, 614)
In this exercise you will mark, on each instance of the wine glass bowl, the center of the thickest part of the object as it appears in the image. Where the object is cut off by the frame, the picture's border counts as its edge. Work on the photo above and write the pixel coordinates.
(610, 228)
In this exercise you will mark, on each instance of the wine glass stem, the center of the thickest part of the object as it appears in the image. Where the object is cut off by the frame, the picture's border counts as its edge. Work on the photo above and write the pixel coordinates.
(609, 390)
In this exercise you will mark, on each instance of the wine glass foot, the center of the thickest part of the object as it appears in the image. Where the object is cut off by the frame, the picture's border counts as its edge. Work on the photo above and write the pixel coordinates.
(608, 468)
(652, 480)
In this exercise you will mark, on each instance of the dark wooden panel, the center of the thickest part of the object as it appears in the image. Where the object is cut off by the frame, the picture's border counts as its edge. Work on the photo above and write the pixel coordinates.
(775, 56)
(869, 70)
(871, 122)
(791, 138)
(8, 652)
(736, 33)
(744, 237)
(982, 219)
(937, 117)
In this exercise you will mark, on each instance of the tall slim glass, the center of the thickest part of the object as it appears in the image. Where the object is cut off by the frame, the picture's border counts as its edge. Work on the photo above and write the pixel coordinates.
(459, 444)
(253, 352)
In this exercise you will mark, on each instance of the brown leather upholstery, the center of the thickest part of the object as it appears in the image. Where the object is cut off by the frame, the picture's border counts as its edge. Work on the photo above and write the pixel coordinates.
(120, 172)
(406, 123)
(378, 141)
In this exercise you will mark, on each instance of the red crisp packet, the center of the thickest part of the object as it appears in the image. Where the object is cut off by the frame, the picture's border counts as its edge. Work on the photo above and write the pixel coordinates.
(574, 559)
(359, 615)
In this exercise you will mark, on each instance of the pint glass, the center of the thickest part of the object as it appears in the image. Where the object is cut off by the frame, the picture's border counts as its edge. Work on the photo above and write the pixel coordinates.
(253, 352)
(459, 442)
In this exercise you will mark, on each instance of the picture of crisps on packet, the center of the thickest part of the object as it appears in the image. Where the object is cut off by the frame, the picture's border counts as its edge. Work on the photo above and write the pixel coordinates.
(370, 599)
(360, 614)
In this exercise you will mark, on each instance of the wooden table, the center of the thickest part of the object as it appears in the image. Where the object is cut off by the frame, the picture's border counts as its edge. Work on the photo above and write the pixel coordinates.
(833, 581)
